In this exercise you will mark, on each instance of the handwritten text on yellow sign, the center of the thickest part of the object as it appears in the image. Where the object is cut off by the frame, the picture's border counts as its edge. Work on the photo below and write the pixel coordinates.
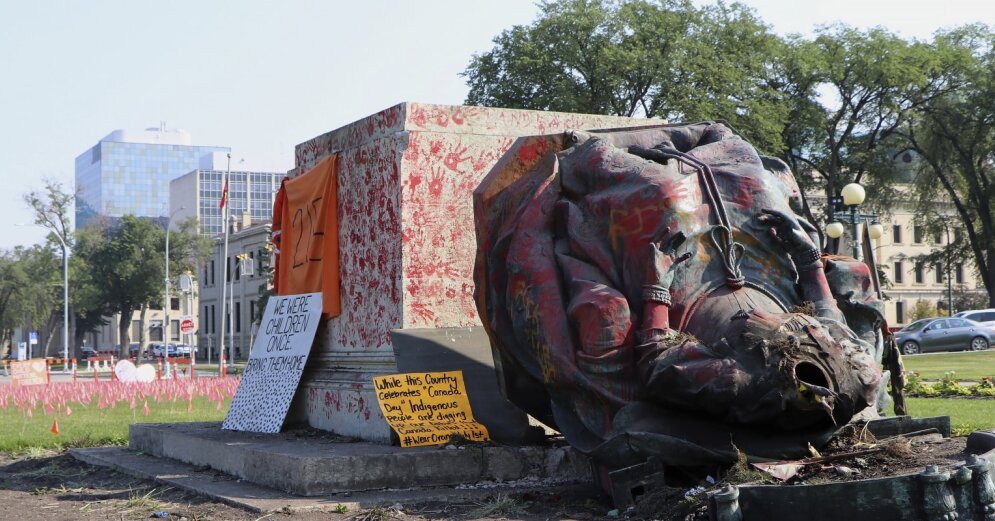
(428, 408)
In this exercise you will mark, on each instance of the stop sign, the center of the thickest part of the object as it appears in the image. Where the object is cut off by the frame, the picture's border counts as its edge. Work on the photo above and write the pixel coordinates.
(186, 325)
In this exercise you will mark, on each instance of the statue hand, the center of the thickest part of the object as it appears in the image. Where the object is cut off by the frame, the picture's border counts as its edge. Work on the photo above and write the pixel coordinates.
(788, 232)
(663, 258)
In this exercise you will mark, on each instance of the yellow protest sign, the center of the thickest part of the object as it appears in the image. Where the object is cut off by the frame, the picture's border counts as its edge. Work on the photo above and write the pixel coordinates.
(29, 372)
(428, 408)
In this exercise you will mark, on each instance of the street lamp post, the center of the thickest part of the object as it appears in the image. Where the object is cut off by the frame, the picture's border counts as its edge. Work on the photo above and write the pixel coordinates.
(850, 197)
(65, 303)
(165, 325)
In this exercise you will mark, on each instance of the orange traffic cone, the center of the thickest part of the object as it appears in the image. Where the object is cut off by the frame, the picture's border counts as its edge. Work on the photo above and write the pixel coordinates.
(55, 426)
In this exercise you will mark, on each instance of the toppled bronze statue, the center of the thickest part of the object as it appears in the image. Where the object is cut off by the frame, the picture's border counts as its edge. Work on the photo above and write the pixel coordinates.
(657, 292)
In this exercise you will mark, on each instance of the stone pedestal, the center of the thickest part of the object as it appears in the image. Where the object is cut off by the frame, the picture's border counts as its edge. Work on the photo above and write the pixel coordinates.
(406, 238)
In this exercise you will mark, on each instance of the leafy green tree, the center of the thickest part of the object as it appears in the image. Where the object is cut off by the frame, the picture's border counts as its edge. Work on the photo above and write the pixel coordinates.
(953, 136)
(663, 59)
(51, 207)
(923, 309)
(123, 262)
(126, 265)
(13, 280)
(966, 299)
(42, 295)
(864, 85)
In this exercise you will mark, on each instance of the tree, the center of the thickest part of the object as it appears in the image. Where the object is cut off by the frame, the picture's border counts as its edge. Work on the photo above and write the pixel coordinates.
(966, 299)
(923, 309)
(126, 266)
(865, 85)
(953, 136)
(13, 280)
(123, 263)
(637, 58)
(51, 208)
(42, 295)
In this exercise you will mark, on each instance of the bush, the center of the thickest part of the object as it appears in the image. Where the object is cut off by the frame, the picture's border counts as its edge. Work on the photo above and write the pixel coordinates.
(948, 386)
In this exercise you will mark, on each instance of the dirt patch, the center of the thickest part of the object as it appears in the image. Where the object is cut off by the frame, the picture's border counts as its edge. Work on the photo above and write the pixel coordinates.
(59, 487)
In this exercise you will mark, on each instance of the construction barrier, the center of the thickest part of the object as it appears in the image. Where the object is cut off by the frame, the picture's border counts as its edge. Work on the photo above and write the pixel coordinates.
(68, 364)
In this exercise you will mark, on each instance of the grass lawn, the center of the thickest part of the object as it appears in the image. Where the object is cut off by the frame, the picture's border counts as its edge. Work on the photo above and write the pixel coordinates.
(969, 365)
(966, 414)
(90, 426)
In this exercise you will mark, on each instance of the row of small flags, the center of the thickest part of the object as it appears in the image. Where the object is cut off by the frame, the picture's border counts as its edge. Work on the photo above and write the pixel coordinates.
(58, 398)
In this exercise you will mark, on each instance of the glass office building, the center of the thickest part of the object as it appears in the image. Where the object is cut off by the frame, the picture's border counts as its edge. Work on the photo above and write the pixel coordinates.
(128, 172)
(250, 194)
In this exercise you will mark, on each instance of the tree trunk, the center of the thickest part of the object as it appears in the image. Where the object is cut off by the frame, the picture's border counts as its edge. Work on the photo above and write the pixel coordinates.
(50, 333)
(124, 329)
(78, 335)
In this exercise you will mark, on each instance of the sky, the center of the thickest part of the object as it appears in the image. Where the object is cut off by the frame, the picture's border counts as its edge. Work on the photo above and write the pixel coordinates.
(261, 76)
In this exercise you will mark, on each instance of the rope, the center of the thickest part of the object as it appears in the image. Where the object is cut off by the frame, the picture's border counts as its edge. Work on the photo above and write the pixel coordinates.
(721, 234)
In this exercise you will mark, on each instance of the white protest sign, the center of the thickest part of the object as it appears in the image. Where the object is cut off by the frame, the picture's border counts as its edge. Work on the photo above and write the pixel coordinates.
(275, 364)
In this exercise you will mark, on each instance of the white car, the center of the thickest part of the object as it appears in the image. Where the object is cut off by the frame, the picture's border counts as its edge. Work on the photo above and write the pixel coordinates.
(175, 350)
(982, 316)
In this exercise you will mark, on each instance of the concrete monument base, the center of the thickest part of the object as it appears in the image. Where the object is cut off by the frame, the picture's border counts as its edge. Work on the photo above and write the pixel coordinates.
(323, 465)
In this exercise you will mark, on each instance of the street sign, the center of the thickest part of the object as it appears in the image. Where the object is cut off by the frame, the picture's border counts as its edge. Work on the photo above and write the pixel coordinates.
(22, 350)
(33, 338)
(186, 324)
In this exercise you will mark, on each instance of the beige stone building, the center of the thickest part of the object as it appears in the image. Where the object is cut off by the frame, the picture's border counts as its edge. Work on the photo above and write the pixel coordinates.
(243, 291)
(910, 280)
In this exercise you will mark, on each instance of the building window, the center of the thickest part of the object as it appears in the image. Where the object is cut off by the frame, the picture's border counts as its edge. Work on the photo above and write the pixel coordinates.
(899, 312)
(896, 234)
(238, 317)
(174, 303)
(898, 272)
(238, 270)
(228, 269)
(957, 233)
(155, 332)
(228, 322)
(212, 272)
(959, 273)
(917, 234)
(174, 329)
(938, 237)
(214, 320)
(252, 311)
(136, 330)
(920, 273)
(205, 320)
(938, 272)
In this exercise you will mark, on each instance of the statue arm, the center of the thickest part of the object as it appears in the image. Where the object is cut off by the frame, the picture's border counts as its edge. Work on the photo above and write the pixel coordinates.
(655, 323)
(791, 234)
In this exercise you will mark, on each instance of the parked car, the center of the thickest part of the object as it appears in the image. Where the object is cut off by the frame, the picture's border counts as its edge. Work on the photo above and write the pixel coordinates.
(86, 352)
(944, 334)
(982, 316)
(175, 350)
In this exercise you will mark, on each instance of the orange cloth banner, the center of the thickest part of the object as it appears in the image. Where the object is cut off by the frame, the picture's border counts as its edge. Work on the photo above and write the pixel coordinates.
(306, 235)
